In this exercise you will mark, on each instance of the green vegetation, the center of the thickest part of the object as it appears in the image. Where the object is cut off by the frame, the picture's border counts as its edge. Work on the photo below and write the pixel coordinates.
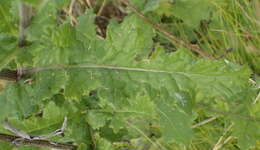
(126, 85)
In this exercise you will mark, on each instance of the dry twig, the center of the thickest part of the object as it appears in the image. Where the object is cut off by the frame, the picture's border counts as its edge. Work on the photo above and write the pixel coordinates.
(204, 122)
(37, 143)
(101, 8)
(166, 33)
(218, 145)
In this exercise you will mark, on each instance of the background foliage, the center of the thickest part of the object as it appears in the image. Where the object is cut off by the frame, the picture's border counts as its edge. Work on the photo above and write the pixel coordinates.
(129, 87)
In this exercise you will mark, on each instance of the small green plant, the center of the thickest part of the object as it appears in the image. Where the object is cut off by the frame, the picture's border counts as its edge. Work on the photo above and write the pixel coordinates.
(130, 89)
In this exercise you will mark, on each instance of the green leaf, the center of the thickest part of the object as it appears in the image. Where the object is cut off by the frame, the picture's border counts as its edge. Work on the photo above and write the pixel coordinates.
(247, 133)
(7, 109)
(175, 125)
(86, 26)
(52, 119)
(31, 2)
(112, 90)
(48, 83)
(151, 5)
(146, 6)
(108, 134)
(8, 13)
(80, 82)
(8, 49)
(128, 41)
(190, 11)
(139, 109)
(62, 3)
(103, 144)
(80, 131)
(6, 146)
(138, 4)
(43, 23)
(142, 105)
(23, 99)
(117, 123)
(64, 36)
(57, 52)
(82, 147)
(97, 119)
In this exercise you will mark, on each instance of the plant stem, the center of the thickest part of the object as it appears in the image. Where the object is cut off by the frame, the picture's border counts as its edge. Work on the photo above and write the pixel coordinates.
(218, 145)
(166, 33)
(37, 143)
(26, 13)
(101, 8)
(204, 122)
